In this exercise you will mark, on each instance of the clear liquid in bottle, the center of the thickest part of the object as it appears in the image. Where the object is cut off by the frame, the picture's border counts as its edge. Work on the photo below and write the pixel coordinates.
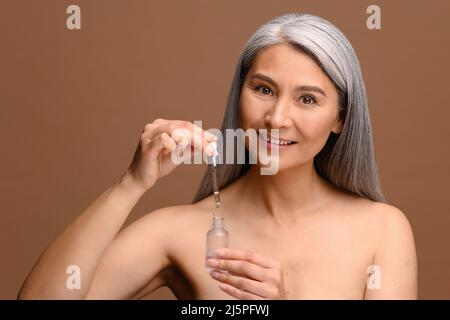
(216, 238)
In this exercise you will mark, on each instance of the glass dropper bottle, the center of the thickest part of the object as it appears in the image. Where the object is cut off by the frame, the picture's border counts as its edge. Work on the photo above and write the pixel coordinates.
(216, 237)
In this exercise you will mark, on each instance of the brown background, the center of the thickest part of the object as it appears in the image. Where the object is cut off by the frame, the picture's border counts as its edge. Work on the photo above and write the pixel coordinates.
(73, 104)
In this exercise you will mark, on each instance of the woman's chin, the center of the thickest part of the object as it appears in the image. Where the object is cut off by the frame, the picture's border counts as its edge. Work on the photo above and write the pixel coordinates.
(276, 166)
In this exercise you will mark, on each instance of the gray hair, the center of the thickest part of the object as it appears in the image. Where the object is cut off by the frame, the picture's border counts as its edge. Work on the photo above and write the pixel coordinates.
(347, 159)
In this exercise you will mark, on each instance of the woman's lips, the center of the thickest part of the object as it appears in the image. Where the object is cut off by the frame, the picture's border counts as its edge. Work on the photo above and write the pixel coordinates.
(274, 143)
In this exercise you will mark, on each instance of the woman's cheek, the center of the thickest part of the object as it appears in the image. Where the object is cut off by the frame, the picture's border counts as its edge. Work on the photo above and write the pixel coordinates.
(246, 118)
(251, 112)
(314, 133)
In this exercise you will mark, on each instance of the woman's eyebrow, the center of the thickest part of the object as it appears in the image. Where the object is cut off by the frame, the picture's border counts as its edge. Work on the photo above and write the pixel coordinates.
(301, 88)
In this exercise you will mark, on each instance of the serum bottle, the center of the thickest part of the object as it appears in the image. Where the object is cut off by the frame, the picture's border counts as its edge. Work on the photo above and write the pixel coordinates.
(216, 237)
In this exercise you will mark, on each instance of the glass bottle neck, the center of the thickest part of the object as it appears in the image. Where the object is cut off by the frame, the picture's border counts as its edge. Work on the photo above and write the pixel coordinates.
(218, 222)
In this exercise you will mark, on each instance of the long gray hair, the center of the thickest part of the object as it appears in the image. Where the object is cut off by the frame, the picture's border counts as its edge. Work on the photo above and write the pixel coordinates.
(347, 159)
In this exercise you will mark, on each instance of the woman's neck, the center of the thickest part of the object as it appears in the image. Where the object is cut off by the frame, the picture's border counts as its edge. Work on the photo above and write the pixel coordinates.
(287, 194)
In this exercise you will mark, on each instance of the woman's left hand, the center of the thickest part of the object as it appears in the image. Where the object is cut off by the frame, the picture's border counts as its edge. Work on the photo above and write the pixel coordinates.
(250, 275)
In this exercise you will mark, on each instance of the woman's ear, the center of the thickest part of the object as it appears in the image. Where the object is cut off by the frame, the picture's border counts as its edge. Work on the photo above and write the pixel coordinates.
(337, 127)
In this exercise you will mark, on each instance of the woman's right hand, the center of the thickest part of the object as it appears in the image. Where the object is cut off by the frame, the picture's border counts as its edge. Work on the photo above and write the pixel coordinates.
(152, 159)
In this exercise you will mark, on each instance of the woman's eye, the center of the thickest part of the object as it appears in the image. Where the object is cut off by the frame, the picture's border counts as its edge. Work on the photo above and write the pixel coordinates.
(263, 90)
(308, 100)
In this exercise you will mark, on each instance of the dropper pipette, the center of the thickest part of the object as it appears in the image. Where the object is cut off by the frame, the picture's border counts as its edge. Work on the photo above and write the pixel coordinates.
(215, 183)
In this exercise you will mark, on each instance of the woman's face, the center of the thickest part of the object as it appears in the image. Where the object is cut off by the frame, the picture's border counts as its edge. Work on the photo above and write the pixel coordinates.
(286, 90)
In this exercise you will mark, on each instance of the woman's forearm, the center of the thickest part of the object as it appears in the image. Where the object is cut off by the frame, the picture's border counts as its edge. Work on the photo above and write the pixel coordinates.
(85, 241)
(82, 244)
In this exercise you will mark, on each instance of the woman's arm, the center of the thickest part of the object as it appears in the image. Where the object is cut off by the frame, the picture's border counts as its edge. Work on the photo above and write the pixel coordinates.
(86, 240)
(136, 258)
(395, 259)
(82, 244)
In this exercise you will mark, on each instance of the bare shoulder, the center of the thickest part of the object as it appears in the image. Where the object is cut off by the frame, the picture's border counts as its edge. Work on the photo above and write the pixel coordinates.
(395, 253)
(394, 229)
(378, 224)
(175, 213)
(382, 215)
(175, 216)
(174, 219)
(388, 218)
(389, 228)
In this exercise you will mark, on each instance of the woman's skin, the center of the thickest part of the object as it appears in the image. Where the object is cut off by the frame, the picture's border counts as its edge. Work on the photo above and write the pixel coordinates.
(292, 235)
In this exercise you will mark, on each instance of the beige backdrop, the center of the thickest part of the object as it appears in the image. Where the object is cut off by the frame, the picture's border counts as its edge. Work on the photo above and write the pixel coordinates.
(73, 104)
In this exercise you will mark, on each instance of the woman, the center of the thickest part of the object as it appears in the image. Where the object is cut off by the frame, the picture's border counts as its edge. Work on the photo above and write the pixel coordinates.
(317, 229)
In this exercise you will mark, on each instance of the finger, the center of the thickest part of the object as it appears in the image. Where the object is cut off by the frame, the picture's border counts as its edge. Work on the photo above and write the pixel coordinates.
(194, 137)
(238, 293)
(201, 144)
(211, 149)
(182, 152)
(149, 127)
(170, 125)
(246, 255)
(159, 121)
(194, 145)
(255, 287)
(162, 142)
(184, 133)
(239, 267)
(195, 131)
(168, 144)
(146, 133)
(207, 135)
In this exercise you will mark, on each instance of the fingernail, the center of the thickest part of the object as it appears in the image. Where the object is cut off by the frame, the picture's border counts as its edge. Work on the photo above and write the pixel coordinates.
(212, 262)
(222, 286)
(212, 149)
(209, 152)
(220, 252)
(214, 274)
(180, 150)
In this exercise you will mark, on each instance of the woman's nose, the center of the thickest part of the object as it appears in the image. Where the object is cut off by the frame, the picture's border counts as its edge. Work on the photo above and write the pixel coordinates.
(278, 116)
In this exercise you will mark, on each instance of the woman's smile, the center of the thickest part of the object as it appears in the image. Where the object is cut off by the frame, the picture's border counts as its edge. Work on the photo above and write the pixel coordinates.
(271, 142)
